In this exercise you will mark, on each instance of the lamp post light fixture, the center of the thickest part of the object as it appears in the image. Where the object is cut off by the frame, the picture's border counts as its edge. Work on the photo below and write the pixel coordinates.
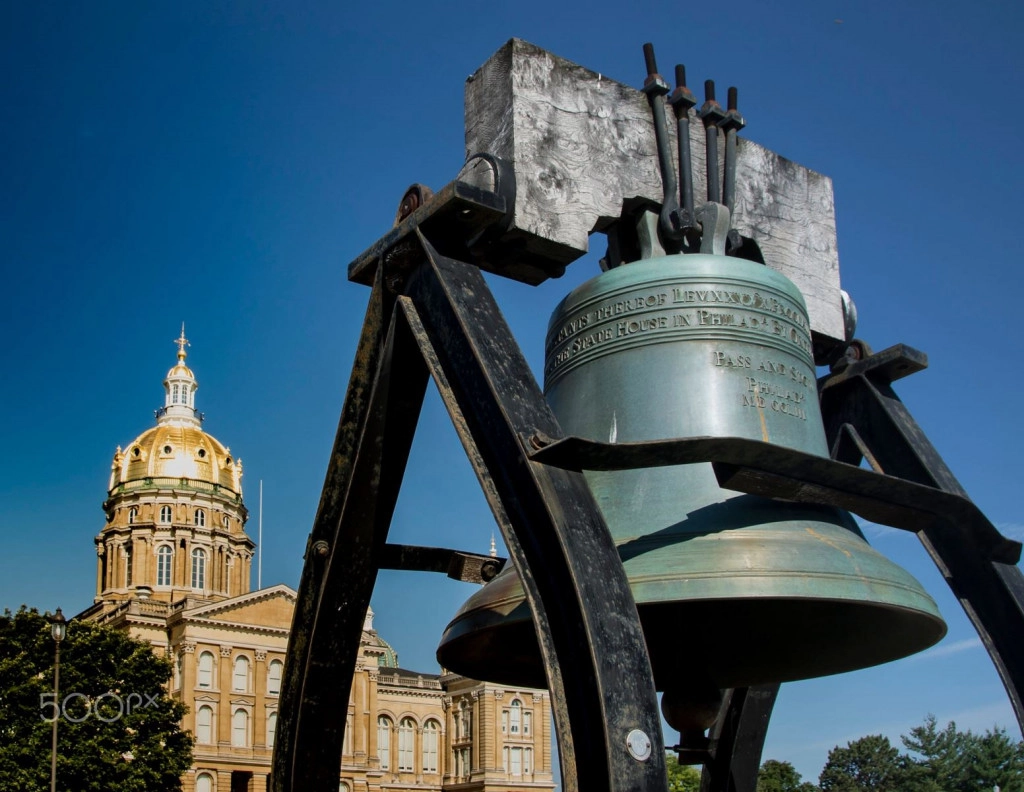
(58, 629)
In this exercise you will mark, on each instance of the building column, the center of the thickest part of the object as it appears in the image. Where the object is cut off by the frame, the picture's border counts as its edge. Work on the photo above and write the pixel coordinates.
(213, 569)
(100, 551)
(259, 690)
(543, 725)
(372, 749)
(360, 713)
(476, 746)
(258, 783)
(132, 547)
(246, 582)
(188, 672)
(225, 711)
(149, 562)
(228, 563)
(108, 552)
(112, 552)
(223, 781)
(178, 572)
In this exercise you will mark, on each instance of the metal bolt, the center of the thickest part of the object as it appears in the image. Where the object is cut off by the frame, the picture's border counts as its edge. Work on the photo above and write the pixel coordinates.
(731, 123)
(711, 114)
(639, 745)
(321, 548)
(393, 283)
(489, 571)
(682, 100)
(539, 440)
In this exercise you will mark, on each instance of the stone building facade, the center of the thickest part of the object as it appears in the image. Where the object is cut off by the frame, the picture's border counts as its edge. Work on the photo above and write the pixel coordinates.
(173, 568)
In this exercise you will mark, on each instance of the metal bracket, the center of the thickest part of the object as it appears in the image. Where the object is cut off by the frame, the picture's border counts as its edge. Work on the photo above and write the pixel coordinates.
(759, 468)
(468, 567)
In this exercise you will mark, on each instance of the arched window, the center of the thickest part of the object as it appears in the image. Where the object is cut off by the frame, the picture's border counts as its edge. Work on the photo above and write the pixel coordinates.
(205, 679)
(274, 671)
(204, 782)
(527, 722)
(384, 742)
(163, 565)
(240, 679)
(516, 717)
(204, 725)
(127, 565)
(133, 512)
(198, 569)
(165, 514)
(199, 518)
(271, 728)
(240, 728)
(431, 733)
(343, 787)
(406, 741)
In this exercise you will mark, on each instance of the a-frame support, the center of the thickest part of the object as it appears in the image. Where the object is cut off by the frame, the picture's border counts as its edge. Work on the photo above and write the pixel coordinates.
(441, 321)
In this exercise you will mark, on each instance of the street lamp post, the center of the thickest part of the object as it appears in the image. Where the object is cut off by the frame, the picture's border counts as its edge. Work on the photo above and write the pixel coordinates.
(58, 629)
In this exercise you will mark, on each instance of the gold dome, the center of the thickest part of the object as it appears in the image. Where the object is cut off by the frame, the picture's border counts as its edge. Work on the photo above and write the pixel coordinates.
(177, 447)
(180, 369)
(177, 451)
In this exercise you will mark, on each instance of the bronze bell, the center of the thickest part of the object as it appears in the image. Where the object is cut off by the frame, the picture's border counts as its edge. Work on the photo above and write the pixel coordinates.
(732, 589)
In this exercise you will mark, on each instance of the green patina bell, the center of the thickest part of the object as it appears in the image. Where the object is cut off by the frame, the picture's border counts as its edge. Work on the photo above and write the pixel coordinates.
(732, 589)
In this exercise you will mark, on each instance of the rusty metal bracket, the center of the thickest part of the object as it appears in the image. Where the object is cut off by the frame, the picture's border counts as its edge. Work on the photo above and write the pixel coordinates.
(759, 468)
(463, 221)
(468, 567)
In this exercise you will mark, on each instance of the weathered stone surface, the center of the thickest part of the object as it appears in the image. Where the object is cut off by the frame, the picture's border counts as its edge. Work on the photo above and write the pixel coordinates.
(581, 144)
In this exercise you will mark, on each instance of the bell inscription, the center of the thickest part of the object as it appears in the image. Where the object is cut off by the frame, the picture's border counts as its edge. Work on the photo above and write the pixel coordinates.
(755, 335)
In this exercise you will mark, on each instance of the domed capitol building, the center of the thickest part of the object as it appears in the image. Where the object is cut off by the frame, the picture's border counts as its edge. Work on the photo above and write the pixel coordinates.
(173, 567)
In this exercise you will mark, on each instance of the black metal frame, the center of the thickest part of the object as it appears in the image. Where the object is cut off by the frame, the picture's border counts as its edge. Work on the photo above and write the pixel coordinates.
(431, 315)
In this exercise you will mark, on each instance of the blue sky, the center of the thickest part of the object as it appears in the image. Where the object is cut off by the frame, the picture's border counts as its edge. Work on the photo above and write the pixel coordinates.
(220, 164)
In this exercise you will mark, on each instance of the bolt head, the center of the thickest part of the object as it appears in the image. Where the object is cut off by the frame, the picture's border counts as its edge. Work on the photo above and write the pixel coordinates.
(639, 745)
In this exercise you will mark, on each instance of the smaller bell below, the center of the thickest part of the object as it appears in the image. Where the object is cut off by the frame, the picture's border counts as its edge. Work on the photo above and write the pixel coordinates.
(732, 590)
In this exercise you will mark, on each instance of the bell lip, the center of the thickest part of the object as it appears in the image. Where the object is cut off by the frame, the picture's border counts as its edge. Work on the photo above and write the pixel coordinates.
(511, 655)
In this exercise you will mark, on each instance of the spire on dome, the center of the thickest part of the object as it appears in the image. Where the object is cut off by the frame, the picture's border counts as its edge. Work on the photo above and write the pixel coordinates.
(182, 342)
(180, 391)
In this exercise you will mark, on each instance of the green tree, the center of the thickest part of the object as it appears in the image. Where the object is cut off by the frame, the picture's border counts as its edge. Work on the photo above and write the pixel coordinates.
(870, 764)
(681, 778)
(118, 731)
(948, 760)
(996, 760)
(942, 758)
(775, 776)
